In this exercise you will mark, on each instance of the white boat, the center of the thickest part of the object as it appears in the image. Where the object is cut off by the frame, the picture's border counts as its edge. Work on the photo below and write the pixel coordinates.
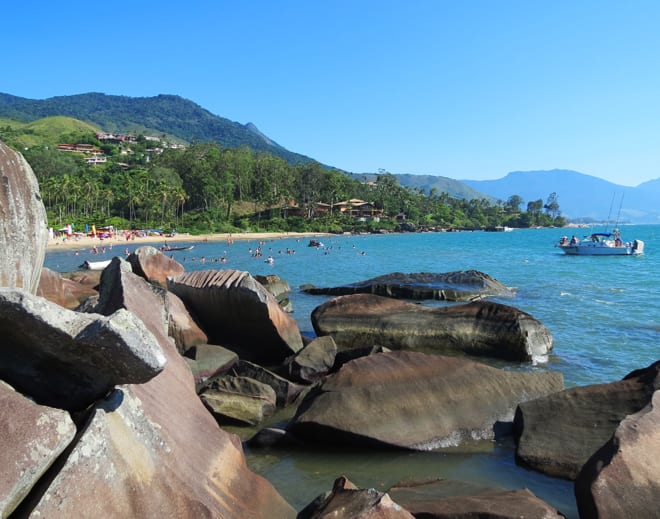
(601, 244)
(95, 265)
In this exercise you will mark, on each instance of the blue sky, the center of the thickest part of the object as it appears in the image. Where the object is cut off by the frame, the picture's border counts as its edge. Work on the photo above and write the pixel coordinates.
(463, 89)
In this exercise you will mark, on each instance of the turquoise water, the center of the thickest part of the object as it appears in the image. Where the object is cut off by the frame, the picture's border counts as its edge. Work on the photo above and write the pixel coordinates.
(602, 312)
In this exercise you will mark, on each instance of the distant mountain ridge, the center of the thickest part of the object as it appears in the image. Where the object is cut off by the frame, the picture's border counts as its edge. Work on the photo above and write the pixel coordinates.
(580, 196)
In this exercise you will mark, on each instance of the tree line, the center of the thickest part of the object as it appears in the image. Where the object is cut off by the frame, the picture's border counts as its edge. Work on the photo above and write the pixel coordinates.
(209, 188)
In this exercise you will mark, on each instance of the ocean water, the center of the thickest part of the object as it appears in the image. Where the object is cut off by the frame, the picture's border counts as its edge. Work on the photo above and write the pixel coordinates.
(603, 313)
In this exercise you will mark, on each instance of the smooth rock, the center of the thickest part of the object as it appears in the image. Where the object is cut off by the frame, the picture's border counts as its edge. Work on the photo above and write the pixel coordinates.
(23, 230)
(556, 434)
(469, 285)
(622, 479)
(444, 499)
(481, 328)
(416, 401)
(238, 312)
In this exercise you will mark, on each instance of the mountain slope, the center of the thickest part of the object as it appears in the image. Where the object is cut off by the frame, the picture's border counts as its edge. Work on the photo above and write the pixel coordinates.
(168, 114)
(580, 196)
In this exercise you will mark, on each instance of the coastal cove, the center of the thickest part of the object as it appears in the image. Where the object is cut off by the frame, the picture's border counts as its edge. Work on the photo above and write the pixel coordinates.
(602, 312)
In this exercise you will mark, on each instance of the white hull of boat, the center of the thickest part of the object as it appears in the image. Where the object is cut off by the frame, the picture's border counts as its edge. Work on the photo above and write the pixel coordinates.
(95, 265)
(603, 249)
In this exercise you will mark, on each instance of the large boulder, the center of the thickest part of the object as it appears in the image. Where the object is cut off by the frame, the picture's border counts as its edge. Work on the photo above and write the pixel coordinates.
(238, 312)
(556, 434)
(67, 359)
(468, 285)
(63, 291)
(481, 328)
(154, 266)
(444, 499)
(181, 326)
(622, 479)
(416, 401)
(23, 231)
(32, 437)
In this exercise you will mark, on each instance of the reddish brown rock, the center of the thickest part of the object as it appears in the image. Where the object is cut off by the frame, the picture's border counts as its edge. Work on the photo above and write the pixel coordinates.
(416, 401)
(31, 439)
(622, 479)
(23, 231)
(556, 434)
(181, 326)
(442, 499)
(482, 328)
(238, 312)
(346, 501)
(154, 266)
(62, 291)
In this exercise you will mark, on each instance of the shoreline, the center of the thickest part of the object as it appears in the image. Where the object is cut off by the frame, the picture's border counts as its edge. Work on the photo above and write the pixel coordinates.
(88, 242)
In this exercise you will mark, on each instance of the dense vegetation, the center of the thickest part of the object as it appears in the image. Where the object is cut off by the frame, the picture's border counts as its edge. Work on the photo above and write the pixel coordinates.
(206, 187)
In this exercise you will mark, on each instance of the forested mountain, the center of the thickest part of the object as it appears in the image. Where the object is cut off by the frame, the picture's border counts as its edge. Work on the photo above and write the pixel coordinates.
(171, 115)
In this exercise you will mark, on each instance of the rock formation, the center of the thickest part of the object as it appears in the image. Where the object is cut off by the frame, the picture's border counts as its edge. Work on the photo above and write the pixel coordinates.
(238, 313)
(23, 231)
(66, 359)
(415, 401)
(622, 479)
(467, 285)
(480, 328)
(557, 434)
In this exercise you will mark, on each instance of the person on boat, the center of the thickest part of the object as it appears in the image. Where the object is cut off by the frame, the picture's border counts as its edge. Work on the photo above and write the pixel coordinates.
(564, 240)
(574, 240)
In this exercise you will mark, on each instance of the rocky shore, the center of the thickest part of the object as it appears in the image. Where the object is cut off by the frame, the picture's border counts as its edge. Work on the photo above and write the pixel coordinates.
(116, 386)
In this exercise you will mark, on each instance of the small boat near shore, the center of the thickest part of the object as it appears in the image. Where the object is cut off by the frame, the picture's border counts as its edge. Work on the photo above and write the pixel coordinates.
(94, 265)
(600, 244)
(167, 248)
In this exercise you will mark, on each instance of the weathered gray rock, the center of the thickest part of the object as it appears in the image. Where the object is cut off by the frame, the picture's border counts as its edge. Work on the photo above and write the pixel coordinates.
(416, 401)
(468, 285)
(23, 231)
(63, 291)
(346, 501)
(238, 399)
(556, 434)
(154, 266)
(67, 359)
(443, 499)
(286, 391)
(622, 479)
(208, 360)
(239, 313)
(314, 361)
(31, 439)
(277, 286)
(481, 328)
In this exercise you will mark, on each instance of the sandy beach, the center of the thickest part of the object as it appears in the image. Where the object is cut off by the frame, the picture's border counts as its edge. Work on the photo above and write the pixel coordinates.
(87, 242)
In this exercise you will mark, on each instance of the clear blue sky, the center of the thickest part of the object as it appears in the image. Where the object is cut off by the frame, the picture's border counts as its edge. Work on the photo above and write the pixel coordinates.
(463, 89)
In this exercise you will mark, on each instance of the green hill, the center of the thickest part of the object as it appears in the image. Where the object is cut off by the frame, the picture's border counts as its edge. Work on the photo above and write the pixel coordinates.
(163, 114)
